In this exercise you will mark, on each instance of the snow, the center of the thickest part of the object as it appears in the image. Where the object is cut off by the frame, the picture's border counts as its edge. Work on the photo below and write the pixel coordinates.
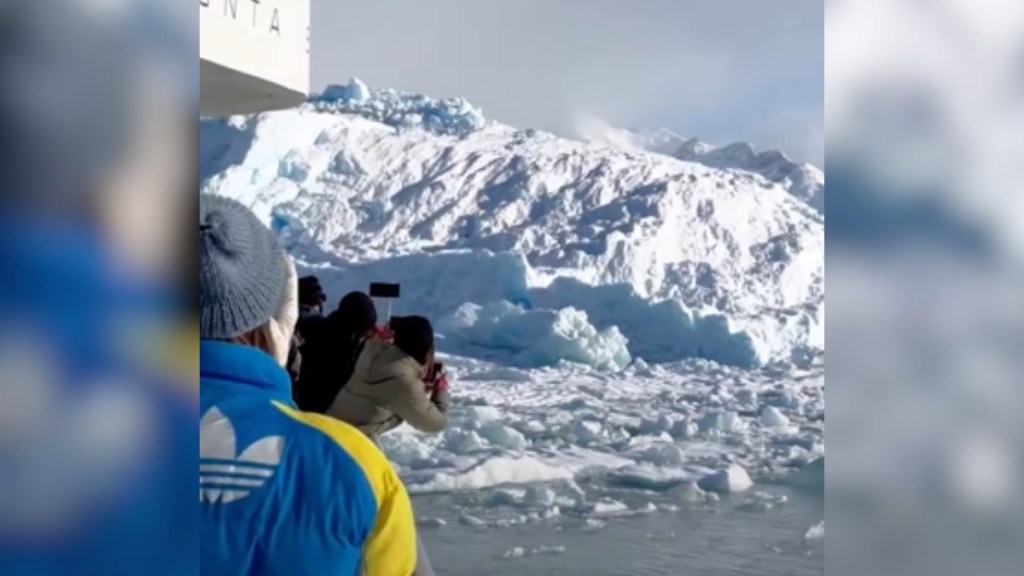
(804, 181)
(593, 254)
(535, 337)
(624, 331)
(500, 435)
(400, 110)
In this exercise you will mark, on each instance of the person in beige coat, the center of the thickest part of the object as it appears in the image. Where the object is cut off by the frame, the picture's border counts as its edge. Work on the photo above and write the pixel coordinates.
(393, 383)
(388, 384)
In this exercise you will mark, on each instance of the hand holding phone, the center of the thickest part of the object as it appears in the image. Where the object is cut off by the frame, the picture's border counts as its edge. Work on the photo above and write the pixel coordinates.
(436, 378)
(441, 384)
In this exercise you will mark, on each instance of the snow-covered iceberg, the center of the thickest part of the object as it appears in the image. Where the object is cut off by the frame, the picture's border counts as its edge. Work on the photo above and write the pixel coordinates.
(603, 254)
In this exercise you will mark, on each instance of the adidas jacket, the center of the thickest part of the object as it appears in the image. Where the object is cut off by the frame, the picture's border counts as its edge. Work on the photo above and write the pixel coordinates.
(284, 492)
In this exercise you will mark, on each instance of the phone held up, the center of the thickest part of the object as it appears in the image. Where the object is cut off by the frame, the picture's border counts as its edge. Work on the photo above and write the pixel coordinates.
(385, 290)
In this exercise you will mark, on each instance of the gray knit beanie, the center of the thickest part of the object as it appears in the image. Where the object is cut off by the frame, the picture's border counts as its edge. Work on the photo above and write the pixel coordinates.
(241, 270)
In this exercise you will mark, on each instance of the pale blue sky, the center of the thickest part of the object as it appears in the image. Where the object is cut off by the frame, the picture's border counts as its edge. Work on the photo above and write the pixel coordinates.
(721, 70)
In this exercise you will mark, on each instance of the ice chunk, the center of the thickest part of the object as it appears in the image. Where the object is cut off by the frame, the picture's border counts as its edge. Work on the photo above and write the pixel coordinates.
(540, 496)
(726, 421)
(506, 497)
(762, 502)
(430, 522)
(500, 435)
(732, 479)
(483, 414)
(547, 550)
(404, 449)
(470, 520)
(459, 441)
(663, 454)
(811, 477)
(685, 428)
(593, 525)
(492, 471)
(536, 337)
(516, 552)
(656, 426)
(609, 507)
(647, 476)
(815, 532)
(533, 427)
(772, 417)
(588, 431)
(550, 513)
(687, 492)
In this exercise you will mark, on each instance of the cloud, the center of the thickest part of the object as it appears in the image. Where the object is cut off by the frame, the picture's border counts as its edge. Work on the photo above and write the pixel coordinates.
(693, 66)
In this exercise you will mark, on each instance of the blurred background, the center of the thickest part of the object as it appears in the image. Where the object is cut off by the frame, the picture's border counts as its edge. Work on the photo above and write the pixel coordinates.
(924, 136)
(98, 364)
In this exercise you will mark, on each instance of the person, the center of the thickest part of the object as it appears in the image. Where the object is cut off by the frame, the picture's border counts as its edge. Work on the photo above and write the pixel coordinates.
(281, 491)
(330, 352)
(388, 386)
(393, 382)
(311, 305)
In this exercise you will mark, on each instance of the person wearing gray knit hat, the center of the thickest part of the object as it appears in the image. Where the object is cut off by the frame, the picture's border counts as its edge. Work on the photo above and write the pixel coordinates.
(248, 308)
(243, 275)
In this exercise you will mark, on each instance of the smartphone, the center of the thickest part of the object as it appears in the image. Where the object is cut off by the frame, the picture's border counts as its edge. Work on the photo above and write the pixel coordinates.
(385, 290)
(438, 368)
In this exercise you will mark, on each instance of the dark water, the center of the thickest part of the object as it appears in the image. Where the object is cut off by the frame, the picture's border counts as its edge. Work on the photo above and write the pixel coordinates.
(706, 540)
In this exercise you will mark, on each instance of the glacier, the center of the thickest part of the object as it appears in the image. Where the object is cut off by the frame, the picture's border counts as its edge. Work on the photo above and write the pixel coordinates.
(540, 250)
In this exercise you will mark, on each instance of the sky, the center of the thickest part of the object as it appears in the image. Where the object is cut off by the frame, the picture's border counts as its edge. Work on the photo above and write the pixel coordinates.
(720, 70)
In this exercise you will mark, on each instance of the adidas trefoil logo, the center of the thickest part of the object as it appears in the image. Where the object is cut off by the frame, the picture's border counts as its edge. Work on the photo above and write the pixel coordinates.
(225, 477)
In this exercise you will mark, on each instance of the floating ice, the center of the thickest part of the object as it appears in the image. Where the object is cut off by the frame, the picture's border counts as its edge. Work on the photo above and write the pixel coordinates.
(492, 471)
(732, 479)
(772, 417)
(501, 435)
(609, 507)
(687, 492)
(429, 522)
(815, 532)
(726, 421)
(540, 496)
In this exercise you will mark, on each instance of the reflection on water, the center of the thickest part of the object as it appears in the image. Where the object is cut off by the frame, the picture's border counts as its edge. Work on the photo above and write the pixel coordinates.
(727, 537)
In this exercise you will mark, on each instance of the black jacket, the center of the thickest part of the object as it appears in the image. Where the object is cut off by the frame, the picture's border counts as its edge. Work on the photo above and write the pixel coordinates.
(329, 356)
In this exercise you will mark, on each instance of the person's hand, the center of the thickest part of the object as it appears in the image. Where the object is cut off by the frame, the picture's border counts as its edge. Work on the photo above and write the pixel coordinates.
(383, 333)
(441, 383)
(282, 324)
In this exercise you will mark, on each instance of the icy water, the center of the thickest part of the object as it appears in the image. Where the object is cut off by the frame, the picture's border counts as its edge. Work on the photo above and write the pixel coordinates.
(726, 537)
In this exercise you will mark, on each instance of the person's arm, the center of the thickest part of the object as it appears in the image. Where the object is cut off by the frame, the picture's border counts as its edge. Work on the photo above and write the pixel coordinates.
(282, 325)
(391, 548)
(405, 397)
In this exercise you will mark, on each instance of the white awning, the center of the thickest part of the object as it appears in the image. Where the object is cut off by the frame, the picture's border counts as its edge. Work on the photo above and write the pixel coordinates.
(254, 55)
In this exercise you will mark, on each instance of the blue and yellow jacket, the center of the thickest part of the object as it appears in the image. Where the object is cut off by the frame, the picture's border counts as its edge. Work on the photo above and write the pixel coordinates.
(284, 492)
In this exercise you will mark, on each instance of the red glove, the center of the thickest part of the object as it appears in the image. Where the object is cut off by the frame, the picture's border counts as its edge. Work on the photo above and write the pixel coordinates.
(383, 333)
(441, 384)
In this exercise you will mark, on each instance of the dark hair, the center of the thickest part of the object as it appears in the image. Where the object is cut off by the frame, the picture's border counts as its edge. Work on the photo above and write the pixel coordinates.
(414, 335)
(310, 292)
(356, 314)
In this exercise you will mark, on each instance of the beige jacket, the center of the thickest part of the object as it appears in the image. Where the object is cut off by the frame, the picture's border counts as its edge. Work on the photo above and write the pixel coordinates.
(387, 389)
